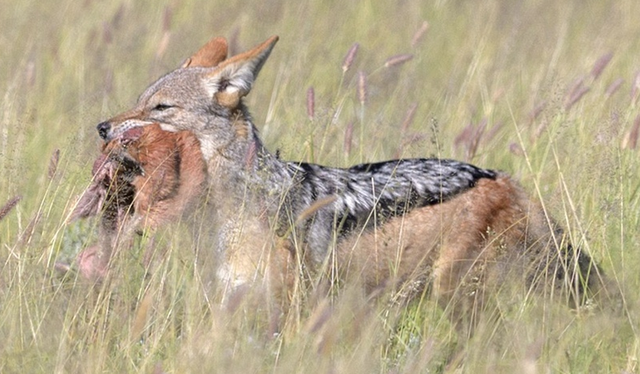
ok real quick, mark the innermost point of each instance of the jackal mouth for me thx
(126, 131)
(128, 136)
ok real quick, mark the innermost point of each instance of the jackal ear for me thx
(233, 78)
(210, 55)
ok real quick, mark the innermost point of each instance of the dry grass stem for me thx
(250, 156)
(164, 43)
(107, 33)
(408, 118)
(30, 74)
(407, 141)
(489, 135)
(234, 44)
(635, 88)
(516, 149)
(141, 316)
(464, 136)
(348, 137)
(537, 110)
(319, 317)
(631, 140)
(27, 234)
(167, 17)
(108, 82)
(158, 369)
(472, 148)
(116, 20)
(470, 137)
(313, 208)
(576, 93)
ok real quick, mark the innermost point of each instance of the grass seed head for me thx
(53, 163)
(362, 87)
(419, 34)
(397, 60)
(350, 57)
(599, 66)
(613, 87)
(311, 96)
(9, 205)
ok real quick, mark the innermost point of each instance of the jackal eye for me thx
(162, 107)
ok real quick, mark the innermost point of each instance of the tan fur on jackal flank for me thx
(490, 234)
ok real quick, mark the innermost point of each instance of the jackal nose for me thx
(103, 129)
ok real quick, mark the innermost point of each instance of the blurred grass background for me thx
(545, 90)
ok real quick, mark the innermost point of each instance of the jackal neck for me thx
(246, 173)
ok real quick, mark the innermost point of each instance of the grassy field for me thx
(545, 90)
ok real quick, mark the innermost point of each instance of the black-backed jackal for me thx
(410, 224)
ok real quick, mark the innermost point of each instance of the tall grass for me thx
(547, 91)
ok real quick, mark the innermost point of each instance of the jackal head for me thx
(203, 95)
